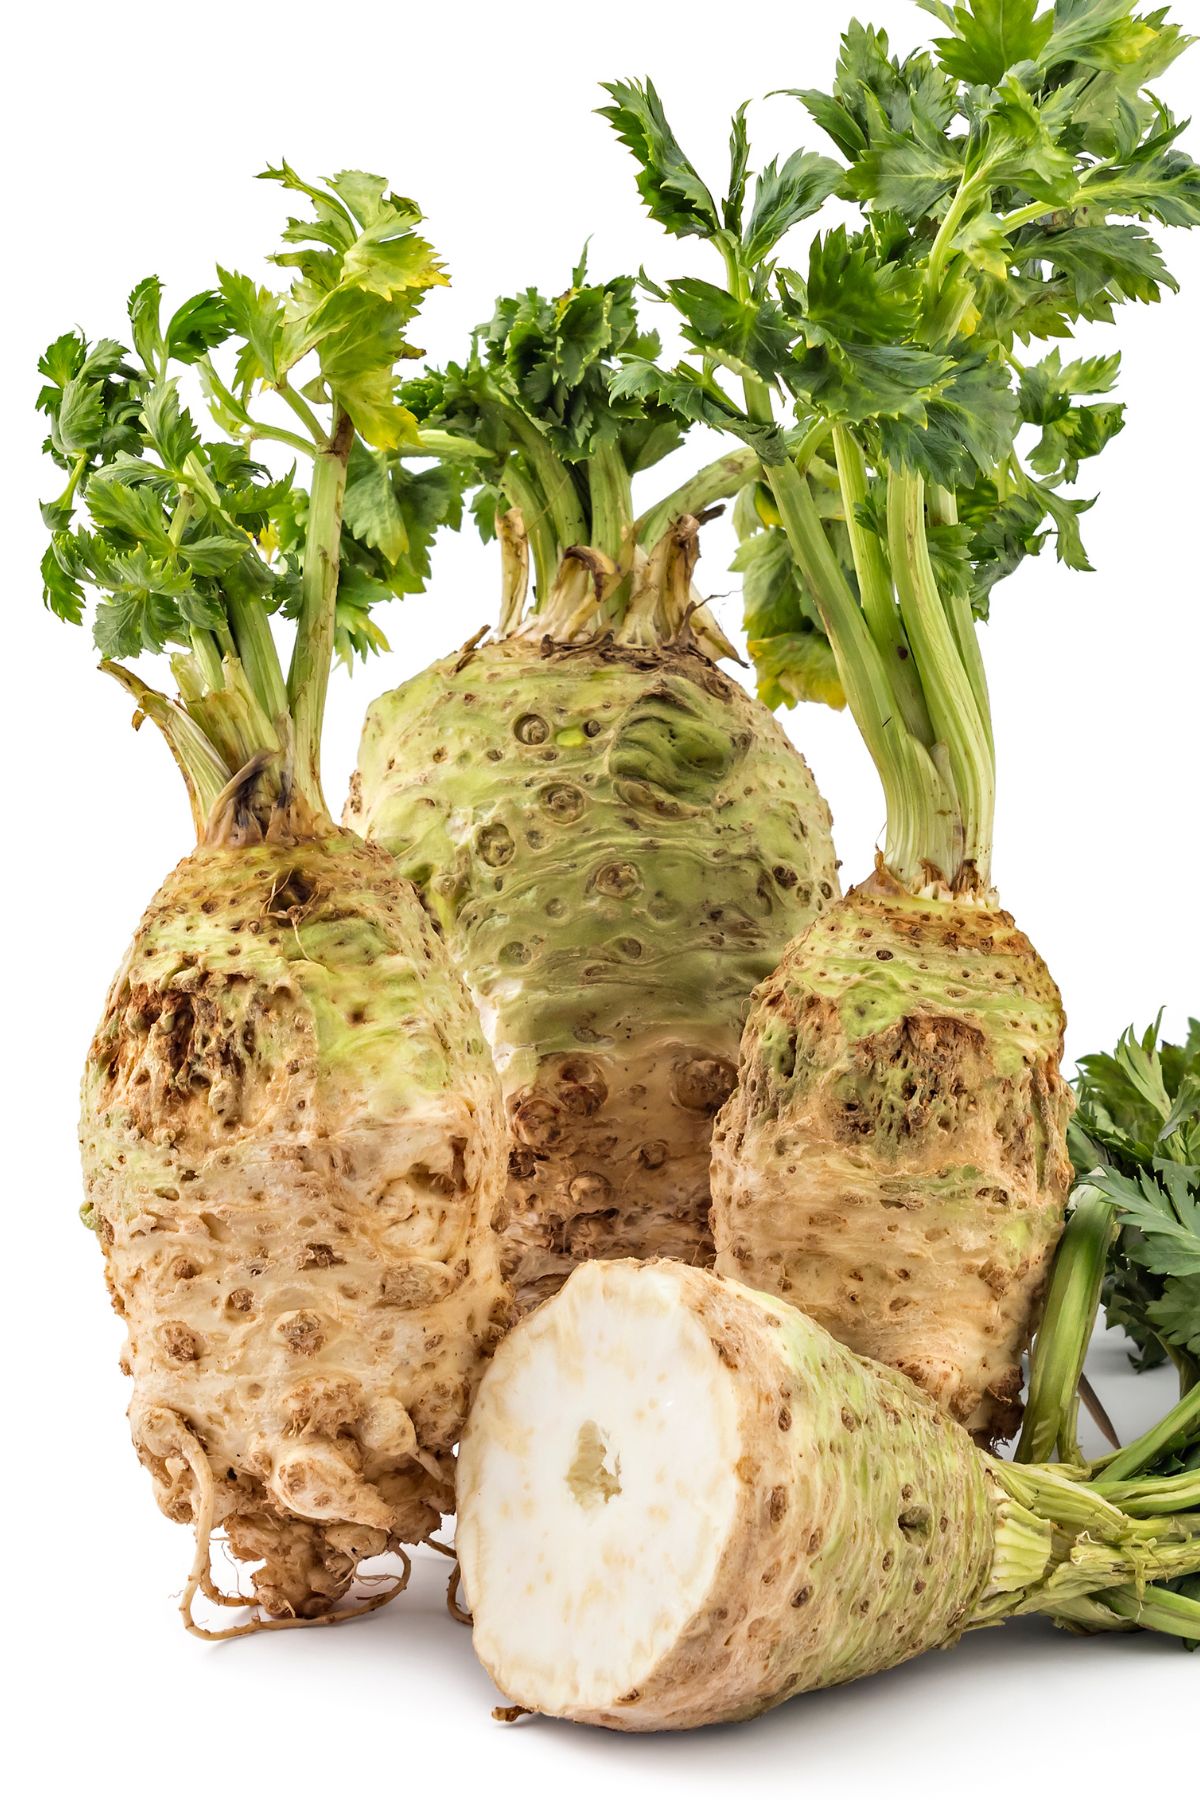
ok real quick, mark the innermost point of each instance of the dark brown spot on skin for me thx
(777, 1505)
(301, 1332)
(531, 728)
(563, 802)
(241, 1300)
(537, 1122)
(179, 1342)
(785, 1419)
(915, 1522)
(590, 1192)
(802, 1596)
(317, 1256)
(577, 1084)
(495, 845)
(617, 879)
(703, 1083)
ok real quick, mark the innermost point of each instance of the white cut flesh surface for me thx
(597, 1490)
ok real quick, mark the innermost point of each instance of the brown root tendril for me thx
(453, 1606)
(200, 1577)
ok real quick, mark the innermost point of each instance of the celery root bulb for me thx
(893, 1159)
(293, 1151)
(681, 1502)
(617, 843)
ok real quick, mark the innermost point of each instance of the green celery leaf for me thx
(256, 316)
(785, 195)
(1078, 433)
(62, 578)
(873, 88)
(131, 512)
(991, 37)
(371, 511)
(970, 423)
(169, 426)
(1011, 143)
(1102, 261)
(870, 381)
(673, 192)
(748, 335)
(144, 307)
(692, 397)
(197, 327)
(1139, 1118)
(911, 174)
(796, 666)
(739, 163)
(1176, 1316)
(1066, 514)
(1164, 1204)
(1108, 35)
(852, 296)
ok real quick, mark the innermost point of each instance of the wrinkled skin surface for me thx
(893, 1159)
(617, 844)
(293, 1153)
(862, 1529)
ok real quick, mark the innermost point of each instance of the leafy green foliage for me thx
(783, 196)
(991, 37)
(695, 398)
(1007, 184)
(556, 359)
(673, 192)
(550, 399)
(360, 270)
(391, 515)
(793, 659)
(1136, 1136)
(875, 93)
(176, 533)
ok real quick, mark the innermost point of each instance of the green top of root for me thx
(912, 451)
(189, 543)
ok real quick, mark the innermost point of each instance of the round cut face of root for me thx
(598, 1489)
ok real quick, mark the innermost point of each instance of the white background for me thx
(131, 135)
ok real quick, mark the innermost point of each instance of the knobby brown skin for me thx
(617, 843)
(893, 1159)
(293, 1155)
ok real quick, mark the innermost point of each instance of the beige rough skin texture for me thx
(893, 1159)
(681, 1503)
(293, 1153)
(617, 842)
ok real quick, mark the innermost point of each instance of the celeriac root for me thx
(893, 1159)
(617, 842)
(681, 1502)
(293, 1151)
